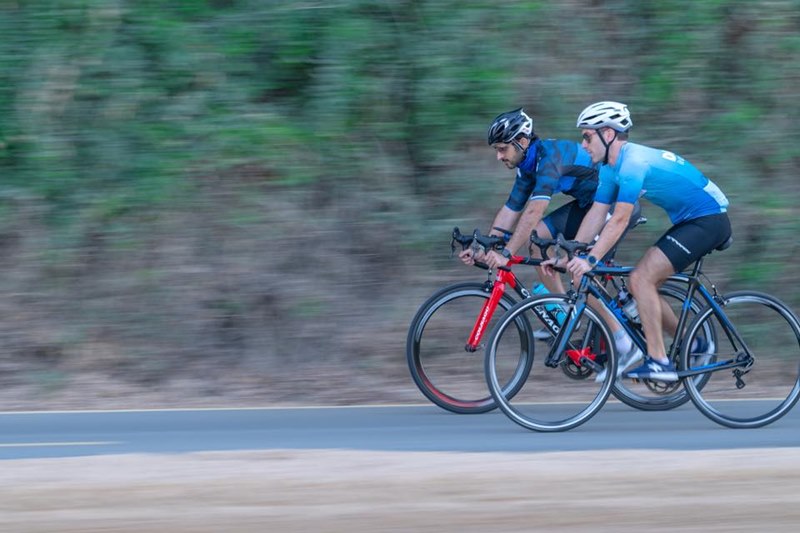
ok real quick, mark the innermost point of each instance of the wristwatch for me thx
(506, 253)
(592, 260)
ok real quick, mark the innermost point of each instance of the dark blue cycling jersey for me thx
(666, 179)
(553, 166)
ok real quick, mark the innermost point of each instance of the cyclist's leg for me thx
(679, 247)
(629, 353)
(669, 320)
(565, 220)
(650, 272)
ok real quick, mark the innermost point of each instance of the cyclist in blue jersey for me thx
(696, 207)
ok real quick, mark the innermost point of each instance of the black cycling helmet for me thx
(508, 126)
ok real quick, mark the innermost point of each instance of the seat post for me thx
(698, 265)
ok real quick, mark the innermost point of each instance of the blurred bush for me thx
(265, 184)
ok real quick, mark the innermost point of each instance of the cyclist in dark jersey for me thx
(544, 168)
(696, 206)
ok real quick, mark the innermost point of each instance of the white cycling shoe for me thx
(634, 355)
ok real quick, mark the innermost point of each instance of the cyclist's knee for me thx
(648, 274)
(637, 280)
(641, 284)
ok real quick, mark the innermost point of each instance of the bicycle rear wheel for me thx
(650, 395)
(762, 389)
(549, 399)
(443, 370)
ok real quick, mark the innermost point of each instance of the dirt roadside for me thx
(741, 490)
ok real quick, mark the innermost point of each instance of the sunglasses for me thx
(588, 137)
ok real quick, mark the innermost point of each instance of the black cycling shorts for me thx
(566, 219)
(685, 243)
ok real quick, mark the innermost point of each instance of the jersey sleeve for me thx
(559, 156)
(547, 176)
(607, 187)
(518, 197)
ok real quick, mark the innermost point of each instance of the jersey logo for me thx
(669, 156)
(678, 244)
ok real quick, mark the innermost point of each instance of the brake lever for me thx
(540, 243)
(476, 245)
(458, 237)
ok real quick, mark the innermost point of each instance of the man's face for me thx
(593, 145)
(510, 155)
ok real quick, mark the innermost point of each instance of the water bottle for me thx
(539, 288)
(629, 306)
(561, 316)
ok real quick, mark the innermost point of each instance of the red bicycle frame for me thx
(504, 277)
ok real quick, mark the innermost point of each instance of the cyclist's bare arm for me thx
(613, 229)
(530, 218)
(593, 223)
(505, 219)
(525, 223)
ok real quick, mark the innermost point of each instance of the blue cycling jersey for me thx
(666, 179)
(553, 166)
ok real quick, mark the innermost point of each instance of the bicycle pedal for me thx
(589, 363)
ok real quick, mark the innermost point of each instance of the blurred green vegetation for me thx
(173, 159)
(111, 105)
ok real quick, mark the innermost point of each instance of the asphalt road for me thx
(392, 428)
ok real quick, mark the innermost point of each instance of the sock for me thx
(622, 341)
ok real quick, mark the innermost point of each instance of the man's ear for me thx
(524, 142)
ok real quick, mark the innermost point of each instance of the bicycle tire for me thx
(771, 386)
(445, 373)
(647, 395)
(549, 400)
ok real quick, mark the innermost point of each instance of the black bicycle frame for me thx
(589, 285)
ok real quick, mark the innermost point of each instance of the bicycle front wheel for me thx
(550, 399)
(443, 370)
(753, 367)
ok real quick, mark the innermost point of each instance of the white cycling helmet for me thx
(606, 115)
